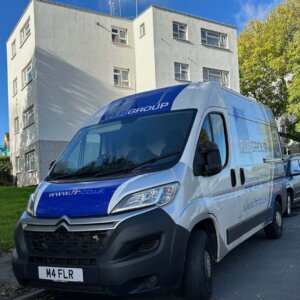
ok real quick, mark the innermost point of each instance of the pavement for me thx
(257, 269)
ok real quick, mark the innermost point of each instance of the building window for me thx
(142, 30)
(121, 77)
(30, 161)
(25, 32)
(119, 36)
(13, 49)
(28, 117)
(16, 125)
(15, 86)
(214, 39)
(18, 164)
(27, 74)
(181, 71)
(179, 31)
(219, 76)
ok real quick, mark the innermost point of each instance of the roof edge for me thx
(189, 15)
(19, 20)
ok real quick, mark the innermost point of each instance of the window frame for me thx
(16, 128)
(178, 31)
(222, 73)
(25, 33)
(17, 162)
(25, 73)
(142, 30)
(28, 112)
(13, 49)
(121, 77)
(204, 41)
(15, 86)
(182, 65)
(119, 38)
(28, 162)
(212, 134)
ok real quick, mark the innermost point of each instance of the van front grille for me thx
(65, 242)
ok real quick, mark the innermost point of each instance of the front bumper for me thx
(144, 253)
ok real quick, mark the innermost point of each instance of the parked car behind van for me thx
(292, 182)
(151, 191)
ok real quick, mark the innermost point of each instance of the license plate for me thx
(61, 274)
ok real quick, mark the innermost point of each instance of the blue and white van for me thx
(151, 191)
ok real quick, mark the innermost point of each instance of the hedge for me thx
(5, 171)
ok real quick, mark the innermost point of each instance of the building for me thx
(65, 62)
(4, 150)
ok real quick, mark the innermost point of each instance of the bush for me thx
(5, 171)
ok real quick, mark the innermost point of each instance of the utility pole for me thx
(120, 9)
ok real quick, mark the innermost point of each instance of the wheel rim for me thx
(207, 263)
(289, 205)
(278, 219)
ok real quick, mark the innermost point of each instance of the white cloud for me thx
(251, 11)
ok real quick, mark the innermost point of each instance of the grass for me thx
(13, 202)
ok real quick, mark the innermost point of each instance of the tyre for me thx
(198, 269)
(289, 205)
(274, 230)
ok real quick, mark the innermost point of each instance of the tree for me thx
(269, 59)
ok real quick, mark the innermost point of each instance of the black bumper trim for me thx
(145, 249)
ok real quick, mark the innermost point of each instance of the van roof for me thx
(198, 96)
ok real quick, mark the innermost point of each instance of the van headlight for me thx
(30, 205)
(159, 196)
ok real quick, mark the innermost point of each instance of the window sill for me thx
(30, 171)
(27, 84)
(28, 125)
(25, 40)
(123, 87)
(15, 94)
(141, 36)
(27, 108)
(182, 80)
(216, 48)
(121, 45)
(182, 40)
(17, 132)
(13, 56)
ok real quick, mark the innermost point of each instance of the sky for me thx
(234, 12)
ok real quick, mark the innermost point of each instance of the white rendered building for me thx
(65, 62)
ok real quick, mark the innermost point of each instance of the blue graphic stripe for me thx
(143, 103)
(84, 199)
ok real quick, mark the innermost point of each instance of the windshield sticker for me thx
(140, 104)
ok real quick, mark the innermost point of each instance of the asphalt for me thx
(257, 269)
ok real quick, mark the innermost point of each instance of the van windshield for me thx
(129, 146)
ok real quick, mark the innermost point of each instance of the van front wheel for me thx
(274, 230)
(198, 268)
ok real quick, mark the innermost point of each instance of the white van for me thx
(154, 188)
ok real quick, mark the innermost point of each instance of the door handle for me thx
(242, 175)
(233, 177)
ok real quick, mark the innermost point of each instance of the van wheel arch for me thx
(209, 227)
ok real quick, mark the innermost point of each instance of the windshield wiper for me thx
(153, 160)
(134, 168)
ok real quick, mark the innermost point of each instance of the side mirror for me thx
(51, 164)
(207, 160)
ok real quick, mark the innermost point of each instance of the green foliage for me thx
(269, 53)
(13, 202)
(5, 171)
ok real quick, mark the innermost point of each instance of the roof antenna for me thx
(111, 4)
